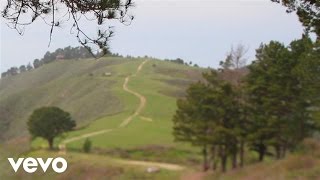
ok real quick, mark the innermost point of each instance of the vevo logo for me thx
(30, 165)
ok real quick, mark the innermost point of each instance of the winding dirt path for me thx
(142, 104)
(142, 99)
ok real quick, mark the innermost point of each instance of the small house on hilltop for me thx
(60, 57)
(107, 74)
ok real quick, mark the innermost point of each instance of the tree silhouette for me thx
(308, 12)
(49, 122)
(20, 13)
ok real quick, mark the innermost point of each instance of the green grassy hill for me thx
(97, 101)
(124, 106)
(65, 84)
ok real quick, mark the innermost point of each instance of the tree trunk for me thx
(261, 156)
(283, 151)
(50, 142)
(205, 158)
(223, 156)
(224, 163)
(241, 153)
(262, 151)
(278, 151)
(213, 158)
(234, 160)
(214, 165)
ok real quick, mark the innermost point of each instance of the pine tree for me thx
(280, 94)
(190, 123)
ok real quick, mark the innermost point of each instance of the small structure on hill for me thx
(152, 169)
(107, 74)
(60, 57)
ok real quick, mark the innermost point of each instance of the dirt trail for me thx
(141, 97)
(87, 135)
(172, 167)
(142, 104)
(146, 119)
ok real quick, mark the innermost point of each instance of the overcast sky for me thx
(201, 31)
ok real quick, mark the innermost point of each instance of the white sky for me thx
(201, 31)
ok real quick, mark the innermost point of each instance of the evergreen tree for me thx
(13, 71)
(36, 63)
(22, 69)
(4, 74)
(208, 118)
(29, 67)
(190, 123)
(281, 88)
(233, 70)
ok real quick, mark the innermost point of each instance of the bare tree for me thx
(239, 56)
(234, 64)
(20, 13)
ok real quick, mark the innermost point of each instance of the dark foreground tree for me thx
(209, 117)
(49, 122)
(233, 70)
(20, 13)
(191, 124)
(283, 89)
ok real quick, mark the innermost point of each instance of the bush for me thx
(309, 146)
(298, 162)
(87, 145)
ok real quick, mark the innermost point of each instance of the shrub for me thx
(297, 162)
(309, 146)
(87, 145)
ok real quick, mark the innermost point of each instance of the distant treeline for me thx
(71, 53)
(66, 53)
(181, 61)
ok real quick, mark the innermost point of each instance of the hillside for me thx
(125, 107)
(92, 91)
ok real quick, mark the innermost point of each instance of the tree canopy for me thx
(49, 122)
(206, 117)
